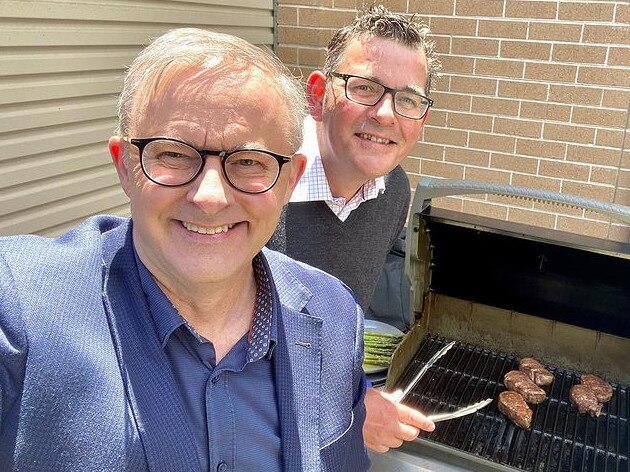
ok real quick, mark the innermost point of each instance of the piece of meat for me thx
(535, 371)
(602, 389)
(585, 400)
(519, 382)
(512, 405)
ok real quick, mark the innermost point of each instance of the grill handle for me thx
(430, 187)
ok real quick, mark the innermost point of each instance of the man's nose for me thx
(210, 190)
(383, 110)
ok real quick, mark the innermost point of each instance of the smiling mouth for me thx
(373, 138)
(207, 230)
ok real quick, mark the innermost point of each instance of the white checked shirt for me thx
(313, 186)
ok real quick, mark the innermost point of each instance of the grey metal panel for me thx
(61, 68)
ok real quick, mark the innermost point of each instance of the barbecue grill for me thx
(503, 291)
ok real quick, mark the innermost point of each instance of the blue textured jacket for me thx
(86, 386)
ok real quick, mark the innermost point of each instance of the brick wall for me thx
(533, 93)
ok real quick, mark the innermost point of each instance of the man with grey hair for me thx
(173, 341)
(367, 109)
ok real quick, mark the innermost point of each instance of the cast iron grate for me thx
(559, 440)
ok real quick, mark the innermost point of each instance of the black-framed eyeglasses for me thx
(369, 92)
(173, 163)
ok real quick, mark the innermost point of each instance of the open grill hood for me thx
(503, 291)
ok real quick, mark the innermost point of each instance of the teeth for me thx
(374, 138)
(204, 230)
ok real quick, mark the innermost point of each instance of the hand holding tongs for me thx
(442, 416)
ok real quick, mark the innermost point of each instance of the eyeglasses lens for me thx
(367, 92)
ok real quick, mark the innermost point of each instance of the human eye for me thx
(364, 87)
(409, 101)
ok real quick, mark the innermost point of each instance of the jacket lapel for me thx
(297, 364)
(149, 382)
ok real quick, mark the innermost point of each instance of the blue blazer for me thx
(86, 386)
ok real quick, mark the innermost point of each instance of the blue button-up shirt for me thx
(231, 406)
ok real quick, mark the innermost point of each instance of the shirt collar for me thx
(262, 336)
(313, 186)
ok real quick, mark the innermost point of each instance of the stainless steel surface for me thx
(461, 412)
(397, 460)
(422, 371)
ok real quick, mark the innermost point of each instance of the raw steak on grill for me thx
(519, 382)
(512, 405)
(602, 389)
(583, 397)
(535, 371)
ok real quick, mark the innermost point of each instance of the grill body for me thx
(504, 291)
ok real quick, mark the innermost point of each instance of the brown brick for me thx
(499, 68)
(593, 155)
(564, 170)
(448, 203)
(486, 210)
(540, 148)
(625, 159)
(479, 8)
(530, 9)
(545, 111)
(534, 181)
(583, 11)
(608, 34)
(288, 54)
(531, 217)
(609, 138)
(442, 44)
(495, 106)
(600, 117)
(502, 29)
(523, 90)
(453, 26)
(619, 56)
(466, 156)
(619, 233)
(509, 201)
(287, 15)
(617, 77)
(476, 85)
(437, 117)
(554, 31)
(427, 150)
(551, 72)
(526, 50)
(443, 7)
(474, 46)
(616, 98)
(312, 57)
(604, 175)
(557, 209)
(457, 64)
(579, 54)
(623, 13)
(568, 133)
(452, 101)
(584, 227)
(445, 170)
(288, 35)
(622, 197)
(492, 176)
(512, 127)
(411, 164)
(513, 163)
(575, 94)
(491, 142)
(624, 178)
(469, 121)
(324, 18)
(310, 3)
(445, 136)
(598, 192)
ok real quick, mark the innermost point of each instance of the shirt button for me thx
(215, 380)
(222, 467)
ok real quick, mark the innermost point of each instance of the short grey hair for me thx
(379, 22)
(192, 48)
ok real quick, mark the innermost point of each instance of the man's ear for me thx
(298, 165)
(115, 144)
(315, 89)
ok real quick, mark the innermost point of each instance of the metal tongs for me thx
(442, 416)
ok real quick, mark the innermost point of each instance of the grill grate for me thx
(559, 439)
